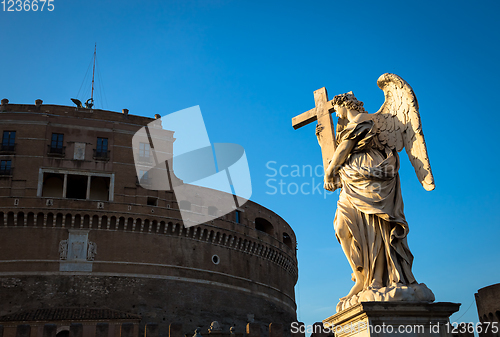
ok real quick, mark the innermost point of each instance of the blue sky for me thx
(253, 65)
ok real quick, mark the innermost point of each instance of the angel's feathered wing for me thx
(398, 123)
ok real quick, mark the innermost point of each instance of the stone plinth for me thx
(378, 319)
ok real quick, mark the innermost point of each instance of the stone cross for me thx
(321, 113)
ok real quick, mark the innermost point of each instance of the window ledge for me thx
(50, 154)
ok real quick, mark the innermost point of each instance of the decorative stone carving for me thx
(91, 251)
(79, 153)
(63, 249)
(77, 248)
(362, 160)
(80, 252)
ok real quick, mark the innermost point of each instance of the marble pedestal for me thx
(380, 319)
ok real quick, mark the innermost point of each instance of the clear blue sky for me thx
(253, 65)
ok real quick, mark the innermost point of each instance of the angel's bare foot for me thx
(356, 288)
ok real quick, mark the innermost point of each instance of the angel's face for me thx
(340, 111)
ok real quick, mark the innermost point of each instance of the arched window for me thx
(31, 219)
(63, 333)
(59, 220)
(263, 225)
(287, 240)
(112, 224)
(78, 221)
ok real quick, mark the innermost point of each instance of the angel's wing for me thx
(398, 124)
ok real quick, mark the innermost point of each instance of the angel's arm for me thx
(339, 157)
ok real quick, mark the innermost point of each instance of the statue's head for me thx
(348, 101)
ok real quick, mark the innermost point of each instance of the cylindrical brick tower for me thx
(78, 230)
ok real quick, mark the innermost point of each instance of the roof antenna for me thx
(90, 102)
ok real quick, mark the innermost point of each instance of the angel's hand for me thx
(329, 183)
(329, 187)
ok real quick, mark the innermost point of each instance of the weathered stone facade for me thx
(488, 310)
(77, 230)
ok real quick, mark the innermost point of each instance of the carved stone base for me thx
(417, 292)
(380, 319)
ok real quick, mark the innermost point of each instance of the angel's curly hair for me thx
(349, 101)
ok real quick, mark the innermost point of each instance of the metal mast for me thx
(93, 73)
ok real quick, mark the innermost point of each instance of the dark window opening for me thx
(53, 185)
(56, 144)
(121, 224)
(8, 141)
(6, 167)
(76, 187)
(264, 226)
(101, 151)
(63, 333)
(99, 188)
(215, 259)
(237, 217)
(152, 201)
(287, 240)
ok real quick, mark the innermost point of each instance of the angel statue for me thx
(363, 161)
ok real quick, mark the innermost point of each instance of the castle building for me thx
(77, 231)
(488, 310)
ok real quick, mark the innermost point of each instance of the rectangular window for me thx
(144, 150)
(76, 185)
(57, 141)
(101, 151)
(5, 167)
(56, 145)
(8, 140)
(102, 145)
(238, 217)
(152, 201)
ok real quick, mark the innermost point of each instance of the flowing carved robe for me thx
(371, 206)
